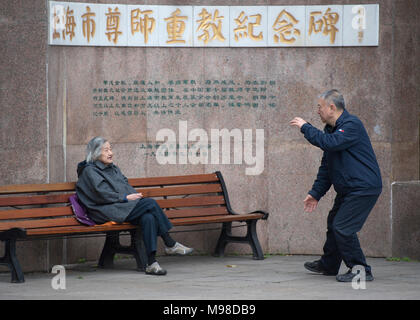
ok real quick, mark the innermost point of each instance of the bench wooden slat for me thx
(196, 212)
(39, 223)
(135, 182)
(191, 202)
(67, 211)
(176, 191)
(36, 213)
(34, 200)
(59, 211)
(126, 226)
(28, 188)
(173, 180)
(64, 198)
(79, 229)
(215, 219)
(54, 222)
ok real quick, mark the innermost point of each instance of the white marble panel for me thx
(361, 25)
(142, 26)
(248, 26)
(211, 26)
(175, 26)
(286, 26)
(324, 26)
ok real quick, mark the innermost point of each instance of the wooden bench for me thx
(42, 211)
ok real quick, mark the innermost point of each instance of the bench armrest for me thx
(265, 213)
(225, 194)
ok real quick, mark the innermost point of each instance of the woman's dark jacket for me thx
(103, 190)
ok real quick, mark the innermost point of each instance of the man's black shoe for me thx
(316, 266)
(349, 275)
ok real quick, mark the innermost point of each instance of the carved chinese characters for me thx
(212, 26)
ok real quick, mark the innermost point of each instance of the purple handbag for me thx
(80, 211)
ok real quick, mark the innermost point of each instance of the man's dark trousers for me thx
(345, 219)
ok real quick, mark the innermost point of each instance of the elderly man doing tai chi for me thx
(349, 164)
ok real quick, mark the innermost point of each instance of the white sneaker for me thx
(178, 249)
(155, 269)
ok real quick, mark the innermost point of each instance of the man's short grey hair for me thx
(94, 149)
(335, 97)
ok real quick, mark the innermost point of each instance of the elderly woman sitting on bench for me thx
(106, 194)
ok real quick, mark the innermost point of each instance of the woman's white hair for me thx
(94, 149)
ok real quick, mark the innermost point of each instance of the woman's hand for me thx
(134, 196)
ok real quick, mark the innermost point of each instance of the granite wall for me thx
(405, 219)
(47, 102)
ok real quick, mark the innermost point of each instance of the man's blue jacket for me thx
(349, 162)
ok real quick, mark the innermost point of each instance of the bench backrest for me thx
(47, 205)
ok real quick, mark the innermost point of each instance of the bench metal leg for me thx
(113, 246)
(251, 238)
(12, 262)
(223, 239)
(112, 241)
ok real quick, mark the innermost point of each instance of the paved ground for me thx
(206, 277)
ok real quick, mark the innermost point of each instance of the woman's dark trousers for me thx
(152, 220)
